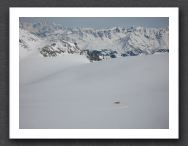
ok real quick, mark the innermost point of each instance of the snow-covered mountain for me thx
(96, 44)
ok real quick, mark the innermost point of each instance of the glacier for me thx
(121, 93)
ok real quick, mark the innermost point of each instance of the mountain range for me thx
(96, 44)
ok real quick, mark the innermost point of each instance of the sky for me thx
(101, 22)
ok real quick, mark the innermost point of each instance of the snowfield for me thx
(69, 92)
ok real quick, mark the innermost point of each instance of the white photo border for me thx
(171, 133)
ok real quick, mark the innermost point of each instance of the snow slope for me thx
(34, 67)
(130, 92)
(28, 43)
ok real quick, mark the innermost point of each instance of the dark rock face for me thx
(54, 50)
(158, 35)
(133, 53)
(23, 44)
(48, 51)
(97, 55)
(162, 50)
(94, 55)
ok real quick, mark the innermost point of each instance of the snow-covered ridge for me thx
(96, 44)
